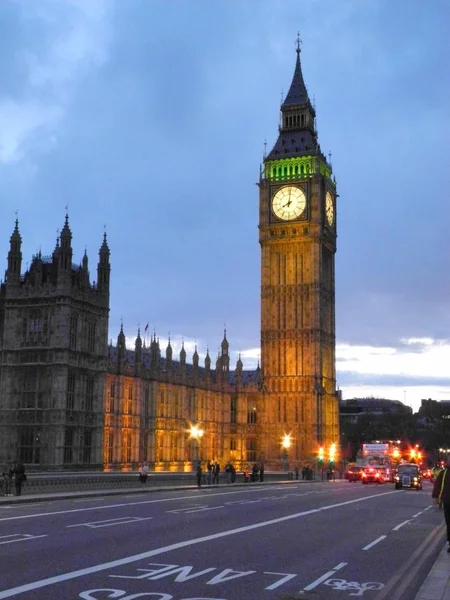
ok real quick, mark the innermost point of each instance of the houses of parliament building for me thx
(69, 400)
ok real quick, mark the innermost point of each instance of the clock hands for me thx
(289, 202)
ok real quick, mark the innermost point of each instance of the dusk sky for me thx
(149, 117)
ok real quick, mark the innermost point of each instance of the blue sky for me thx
(150, 117)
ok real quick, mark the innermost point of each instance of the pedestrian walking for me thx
(261, 472)
(228, 471)
(143, 472)
(216, 472)
(441, 494)
(209, 468)
(199, 475)
(7, 480)
(19, 477)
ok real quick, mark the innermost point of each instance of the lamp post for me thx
(332, 456)
(286, 444)
(196, 434)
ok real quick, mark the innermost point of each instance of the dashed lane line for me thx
(380, 539)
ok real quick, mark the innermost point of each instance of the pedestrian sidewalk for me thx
(437, 584)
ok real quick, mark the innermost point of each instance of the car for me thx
(374, 475)
(354, 474)
(426, 474)
(408, 476)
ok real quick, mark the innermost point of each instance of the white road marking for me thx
(324, 577)
(401, 525)
(144, 555)
(108, 522)
(281, 581)
(18, 537)
(206, 508)
(382, 537)
(427, 508)
(122, 504)
(417, 514)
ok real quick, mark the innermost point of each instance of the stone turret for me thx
(103, 268)
(169, 357)
(14, 256)
(121, 350)
(138, 352)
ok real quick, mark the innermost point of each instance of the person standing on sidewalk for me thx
(441, 493)
(7, 480)
(19, 477)
(143, 472)
(199, 474)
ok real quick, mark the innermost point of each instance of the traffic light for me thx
(320, 456)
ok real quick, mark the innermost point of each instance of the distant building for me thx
(434, 409)
(351, 410)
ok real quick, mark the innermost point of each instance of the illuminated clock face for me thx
(329, 208)
(289, 203)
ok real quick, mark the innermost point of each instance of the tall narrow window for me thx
(87, 443)
(29, 390)
(68, 446)
(251, 450)
(128, 449)
(146, 403)
(233, 411)
(73, 332)
(70, 400)
(30, 444)
(251, 412)
(90, 394)
(110, 440)
(91, 337)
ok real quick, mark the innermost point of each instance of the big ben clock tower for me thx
(299, 411)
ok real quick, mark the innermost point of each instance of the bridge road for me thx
(296, 540)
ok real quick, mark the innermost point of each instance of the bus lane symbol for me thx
(357, 588)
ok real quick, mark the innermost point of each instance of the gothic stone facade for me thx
(152, 402)
(53, 357)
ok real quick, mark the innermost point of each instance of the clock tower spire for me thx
(297, 235)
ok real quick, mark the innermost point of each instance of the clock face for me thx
(329, 208)
(289, 203)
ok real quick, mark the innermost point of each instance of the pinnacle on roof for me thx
(65, 232)
(297, 93)
(15, 236)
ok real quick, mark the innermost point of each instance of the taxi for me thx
(408, 476)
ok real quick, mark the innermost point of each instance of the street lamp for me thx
(286, 444)
(196, 434)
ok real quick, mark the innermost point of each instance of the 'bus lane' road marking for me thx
(382, 537)
(48, 581)
(18, 537)
(109, 522)
(324, 577)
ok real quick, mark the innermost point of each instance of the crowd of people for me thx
(213, 470)
(13, 474)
